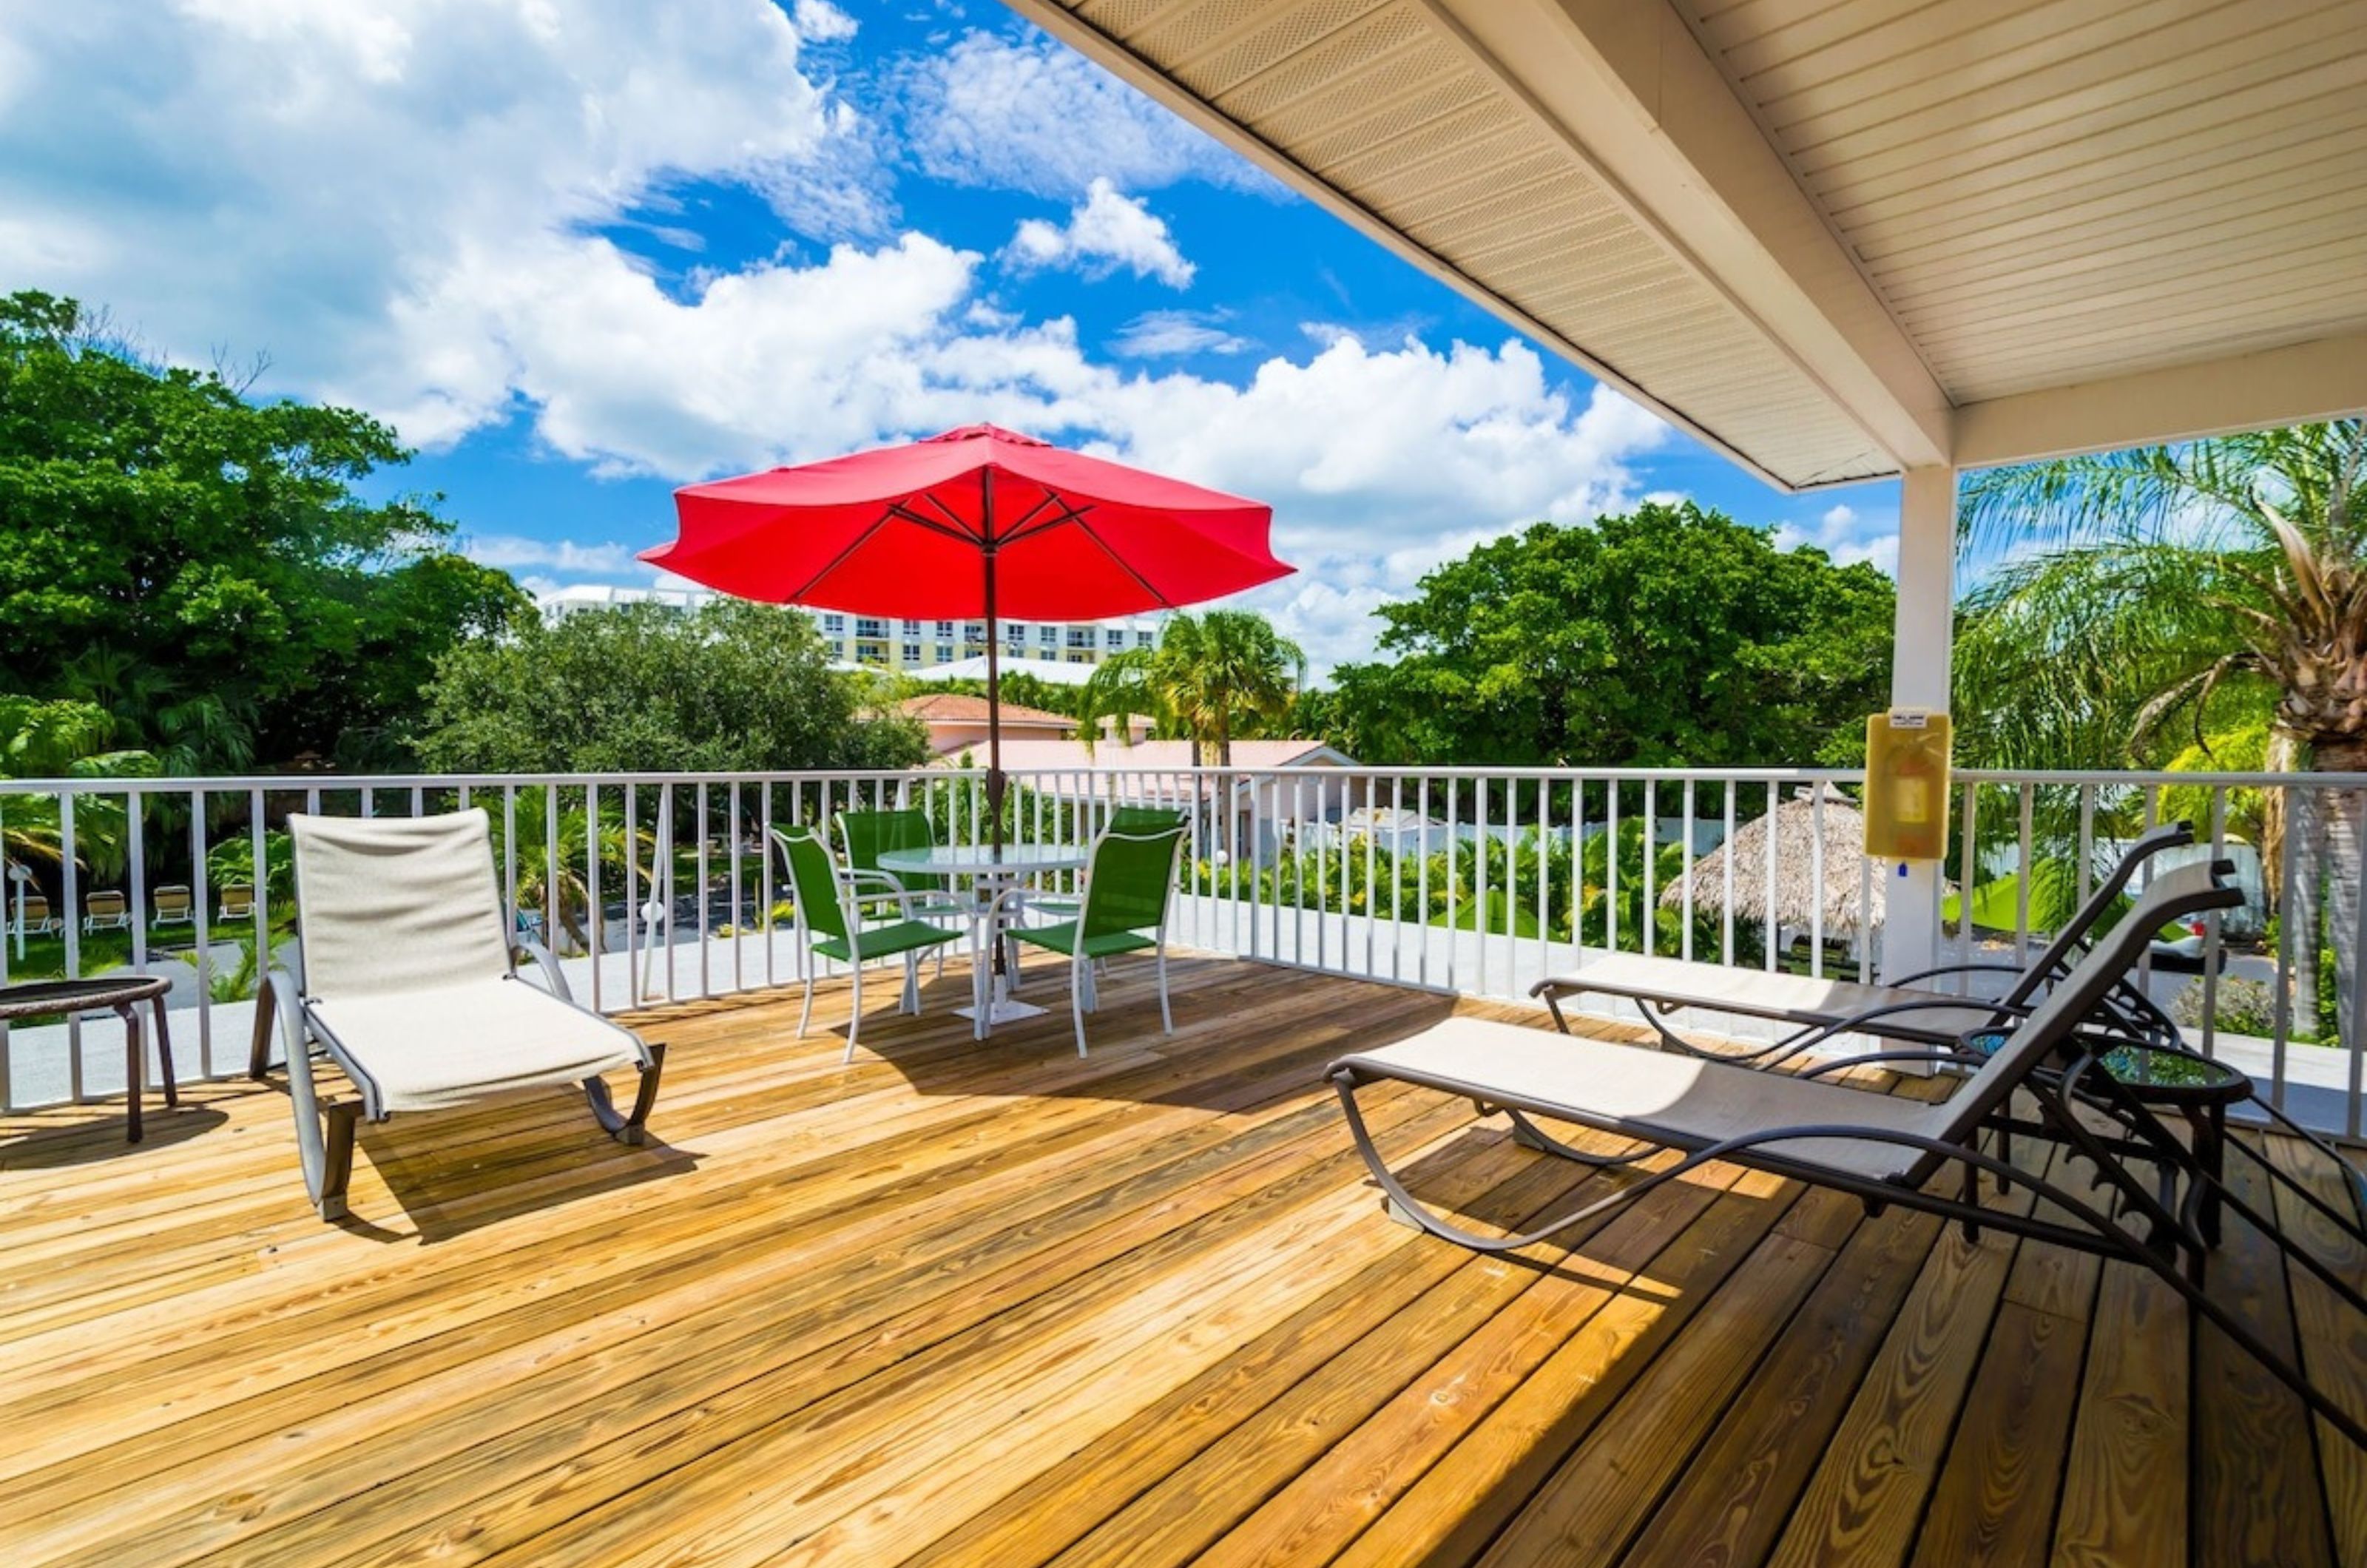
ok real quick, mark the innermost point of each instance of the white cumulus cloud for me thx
(1107, 231)
(406, 207)
(1166, 335)
(1841, 533)
(1034, 116)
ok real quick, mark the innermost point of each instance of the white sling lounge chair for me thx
(1883, 1149)
(1907, 1009)
(410, 985)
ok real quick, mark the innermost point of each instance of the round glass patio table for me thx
(991, 871)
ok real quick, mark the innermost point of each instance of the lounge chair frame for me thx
(2126, 1006)
(325, 1131)
(2059, 1072)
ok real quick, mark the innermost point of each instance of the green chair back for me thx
(1128, 888)
(1142, 819)
(867, 835)
(813, 882)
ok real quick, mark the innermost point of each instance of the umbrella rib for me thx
(839, 560)
(1124, 565)
(968, 534)
(903, 514)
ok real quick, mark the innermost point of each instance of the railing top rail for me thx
(289, 784)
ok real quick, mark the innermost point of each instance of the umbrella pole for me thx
(993, 671)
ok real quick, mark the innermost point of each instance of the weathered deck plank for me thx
(964, 1305)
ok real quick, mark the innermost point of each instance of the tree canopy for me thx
(1666, 635)
(200, 566)
(729, 686)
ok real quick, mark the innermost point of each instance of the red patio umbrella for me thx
(978, 523)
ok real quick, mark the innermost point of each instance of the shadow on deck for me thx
(995, 1304)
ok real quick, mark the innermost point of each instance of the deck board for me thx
(965, 1304)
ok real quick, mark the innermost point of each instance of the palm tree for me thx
(1212, 676)
(2204, 586)
(565, 892)
(41, 738)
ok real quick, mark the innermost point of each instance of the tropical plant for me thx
(562, 888)
(1212, 677)
(2193, 590)
(57, 739)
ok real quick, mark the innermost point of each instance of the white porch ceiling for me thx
(1826, 235)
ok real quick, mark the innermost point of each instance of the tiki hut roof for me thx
(1796, 893)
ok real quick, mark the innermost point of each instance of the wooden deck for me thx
(1000, 1306)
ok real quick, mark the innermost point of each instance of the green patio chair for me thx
(1121, 819)
(827, 902)
(1124, 909)
(865, 836)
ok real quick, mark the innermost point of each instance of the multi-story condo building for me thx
(889, 643)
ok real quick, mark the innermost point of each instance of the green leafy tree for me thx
(1212, 677)
(1667, 635)
(200, 565)
(638, 688)
(2186, 593)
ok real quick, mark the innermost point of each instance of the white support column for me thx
(1919, 679)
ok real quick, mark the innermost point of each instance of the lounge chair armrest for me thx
(1858, 1022)
(1871, 1058)
(553, 980)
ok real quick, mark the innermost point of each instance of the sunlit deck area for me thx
(996, 1304)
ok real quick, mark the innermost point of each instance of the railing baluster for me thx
(1454, 878)
(70, 889)
(2281, 1027)
(2024, 870)
(595, 911)
(1650, 921)
(1726, 865)
(2211, 948)
(1685, 863)
(698, 820)
(1544, 887)
(1816, 880)
(1610, 863)
(201, 923)
(1971, 883)
(1771, 935)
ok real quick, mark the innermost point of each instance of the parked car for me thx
(2180, 947)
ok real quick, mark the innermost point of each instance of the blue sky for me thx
(582, 251)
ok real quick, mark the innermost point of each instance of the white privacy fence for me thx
(658, 887)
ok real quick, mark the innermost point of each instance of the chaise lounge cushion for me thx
(1683, 1102)
(446, 1046)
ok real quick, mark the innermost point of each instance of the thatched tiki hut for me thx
(1847, 877)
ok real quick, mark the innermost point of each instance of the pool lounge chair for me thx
(237, 902)
(1881, 1148)
(1821, 1010)
(106, 911)
(32, 916)
(174, 907)
(411, 986)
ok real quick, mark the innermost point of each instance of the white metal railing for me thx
(656, 888)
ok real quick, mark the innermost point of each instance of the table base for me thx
(1005, 1010)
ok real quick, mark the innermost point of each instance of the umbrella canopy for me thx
(910, 530)
(1797, 890)
(978, 522)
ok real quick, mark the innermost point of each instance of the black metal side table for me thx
(122, 993)
(2171, 1077)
